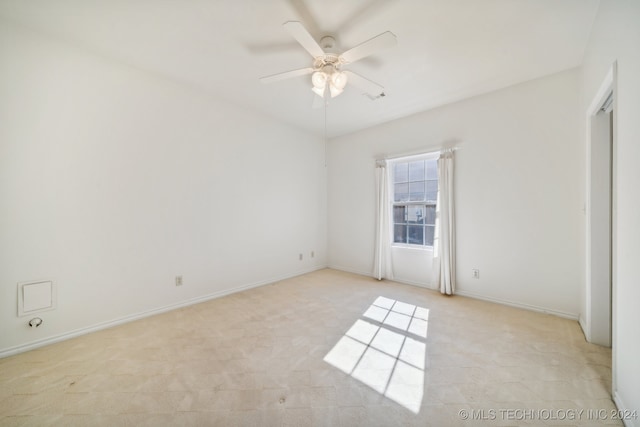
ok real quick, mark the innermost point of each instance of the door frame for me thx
(607, 87)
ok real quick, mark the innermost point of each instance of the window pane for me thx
(399, 214)
(401, 172)
(416, 234)
(428, 235)
(430, 216)
(432, 169)
(416, 215)
(416, 191)
(401, 192)
(432, 190)
(415, 187)
(416, 171)
(400, 233)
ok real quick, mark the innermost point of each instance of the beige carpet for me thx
(328, 349)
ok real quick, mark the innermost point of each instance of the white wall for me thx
(616, 37)
(520, 192)
(113, 181)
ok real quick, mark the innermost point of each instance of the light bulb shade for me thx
(339, 80)
(334, 91)
(319, 79)
(319, 91)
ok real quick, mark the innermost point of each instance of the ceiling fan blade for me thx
(302, 10)
(286, 75)
(364, 84)
(365, 12)
(371, 46)
(300, 33)
(271, 48)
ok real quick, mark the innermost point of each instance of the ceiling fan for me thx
(327, 77)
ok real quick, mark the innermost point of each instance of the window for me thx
(415, 189)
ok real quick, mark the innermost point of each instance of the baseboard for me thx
(583, 326)
(132, 317)
(350, 270)
(529, 307)
(623, 409)
(368, 274)
(417, 284)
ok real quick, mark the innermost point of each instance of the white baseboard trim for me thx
(362, 273)
(417, 284)
(132, 317)
(529, 307)
(583, 326)
(623, 409)
(350, 270)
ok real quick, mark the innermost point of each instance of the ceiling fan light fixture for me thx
(319, 91)
(334, 91)
(319, 80)
(339, 80)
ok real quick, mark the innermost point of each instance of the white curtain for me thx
(445, 226)
(382, 268)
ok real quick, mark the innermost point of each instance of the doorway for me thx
(599, 321)
(599, 227)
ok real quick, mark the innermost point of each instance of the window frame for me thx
(392, 164)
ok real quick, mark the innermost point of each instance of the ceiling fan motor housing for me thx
(328, 44)
(328, 59)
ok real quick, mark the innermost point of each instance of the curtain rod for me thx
(433, 150)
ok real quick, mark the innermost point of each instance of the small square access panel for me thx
(35, 297)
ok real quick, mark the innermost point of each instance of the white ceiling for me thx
(447, 49)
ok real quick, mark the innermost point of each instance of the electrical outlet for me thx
(475, 273)
(178, 280)
(300, 257)
(313, 254)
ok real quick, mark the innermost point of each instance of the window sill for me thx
(412, 247)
